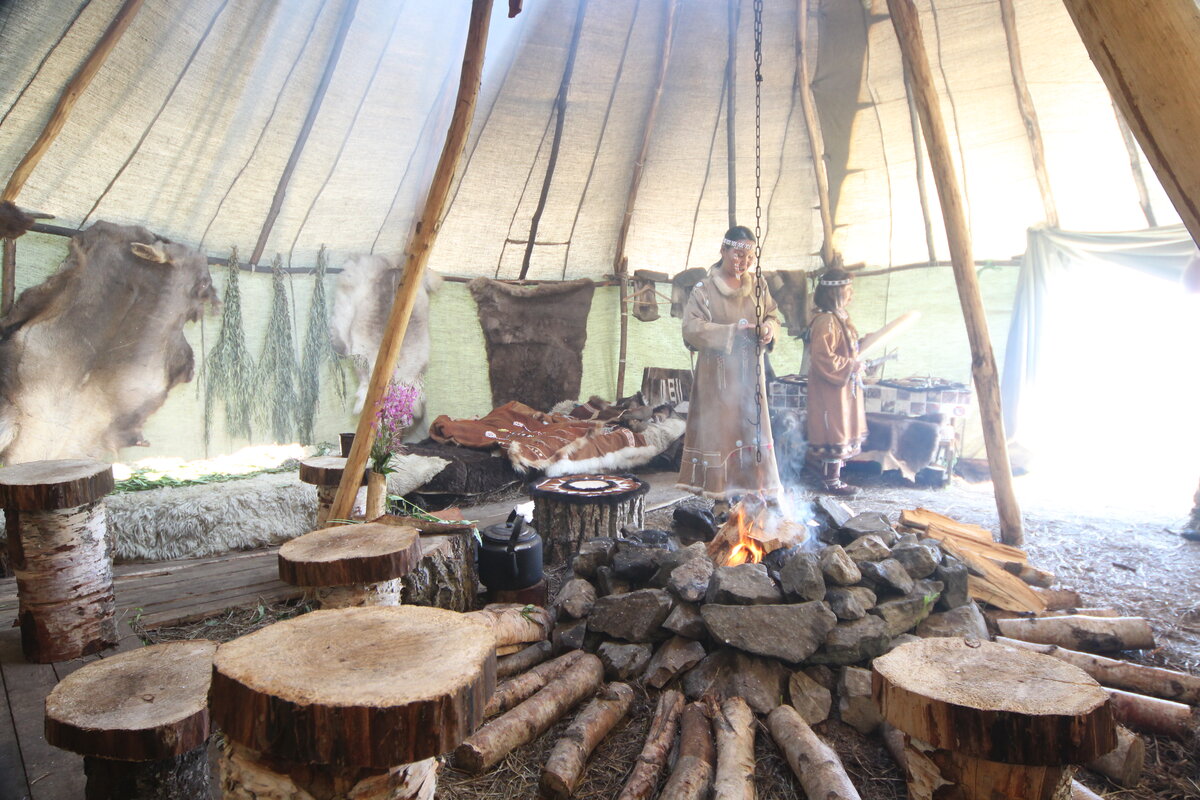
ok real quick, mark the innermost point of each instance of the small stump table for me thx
(140, 720)
(325, 472)
(349, 703)
(571, 508)
(352, 565)
(991, 721)
(60, 553)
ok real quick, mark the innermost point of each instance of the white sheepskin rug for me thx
(199, 521)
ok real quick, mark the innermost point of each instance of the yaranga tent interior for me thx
(287, 152)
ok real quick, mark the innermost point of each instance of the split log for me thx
(1058, 599)
(531, 718)
(817, 766)
(60, 553)
(1124, 764)
(247, 774)
(1092, 634)
(1152, 715)
(564, 767)
(1155, 681)
(516, 690)
(1030, 574)
(733, 723)
(644, 779)
(520, 661)
(351, 565)
(991, 581)
(1081, 792)
(1082, 612)
(140, 719)
(692, 775)
(515, 624)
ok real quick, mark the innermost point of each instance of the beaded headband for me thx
(824, 282)
(738, 245)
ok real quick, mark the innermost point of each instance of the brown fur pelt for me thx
(89, 354)
(13, 221)
(534, 337)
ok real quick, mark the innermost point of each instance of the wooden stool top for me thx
(589, 489)
(350, 554)
(48, 485)
(373, 686)
(142, 705)
(994, 702)
(325, 471)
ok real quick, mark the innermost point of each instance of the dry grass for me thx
(229, 624)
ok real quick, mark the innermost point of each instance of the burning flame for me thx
(747, 549)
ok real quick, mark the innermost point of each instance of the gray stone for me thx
(856, 707)
(694, 522)
(731, 673)
(867, 548)
(801, 577)
(810, 698)
(575, 599)
(903, 614)
(686, 621)
(633, 616)
(788, 632)
(837, 566)
(887, 576)
(868, 522)
(608, 583)
(917, 559)
(593, 554)
(822, 675)
(635, 563)
(569, 635)
(690, 581)
(677, 655)
(966, 620)
(743, 585)
(623, 662)
(850, 602)
(853, 641)
(952, 574)
(905, 538)
(674, 559)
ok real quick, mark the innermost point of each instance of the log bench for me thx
(352, 565)
(140, 720)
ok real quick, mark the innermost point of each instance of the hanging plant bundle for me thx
(277, 366)
(318, 354)
(229, 370)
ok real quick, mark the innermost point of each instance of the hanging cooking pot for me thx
(510, 555)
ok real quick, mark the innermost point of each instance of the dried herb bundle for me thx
(229, 370)
(277, 366)
(318, 352)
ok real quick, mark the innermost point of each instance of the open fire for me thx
(752, 530)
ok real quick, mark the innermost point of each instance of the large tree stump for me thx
(325, 472)
(352, 565)
(140, 719)
(445, 576)
(59, 550)
(346, 703)
(569, 509)
(993, 721)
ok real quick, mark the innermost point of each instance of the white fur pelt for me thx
(199, 521)
(658, 435)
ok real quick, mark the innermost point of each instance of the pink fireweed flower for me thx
(393, 414)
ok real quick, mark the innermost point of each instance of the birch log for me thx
(513, 623)
(1152, 715)
(644, 779)
(1124, 763)
(515, 690)
(564, 768)
(692, 775)
(520, 661)
(815, 763)
(1093, 634)
(733, 723)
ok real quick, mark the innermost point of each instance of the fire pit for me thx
(755, 528)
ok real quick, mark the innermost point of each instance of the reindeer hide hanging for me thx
(534, 337)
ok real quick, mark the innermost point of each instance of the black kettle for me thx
(510, 555)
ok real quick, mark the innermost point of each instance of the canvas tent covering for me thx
(193, 117)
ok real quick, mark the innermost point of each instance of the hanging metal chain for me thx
(758, 279)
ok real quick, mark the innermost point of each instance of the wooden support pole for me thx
(983, 362)
(314, 108)
(1145, 50)
(812, 124)
(8, 280)
(418, 256)
(560, 114)
(731, 111)
(1033, 130)
(73, 91)
(1135, 167)
(914, 122)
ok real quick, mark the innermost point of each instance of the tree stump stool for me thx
(571, 508)
(352, 565)
(59, 550)
(140, 720)
(349, 703)
(325, 472)
(991, 721)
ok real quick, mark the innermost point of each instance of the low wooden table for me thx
(572, 508)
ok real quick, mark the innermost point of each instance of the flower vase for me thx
(376, 495)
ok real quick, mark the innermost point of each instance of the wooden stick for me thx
(1124, 764)
(1033, 130)
(983, 362)
(8, 281)
(565, 765)
(522, 660)
(515, 690)
(693, 770)
(815, 763)
(733, 724)
(418, 256)
(1150, 63)
(812, 124)
(1152, 715)
(644, 778)
(1135, 167)
(919, 164)
(1092, 634)
(529, 720)
(66, 101)
(1155, 681)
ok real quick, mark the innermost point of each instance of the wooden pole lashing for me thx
(418, 256)
(983, 362)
